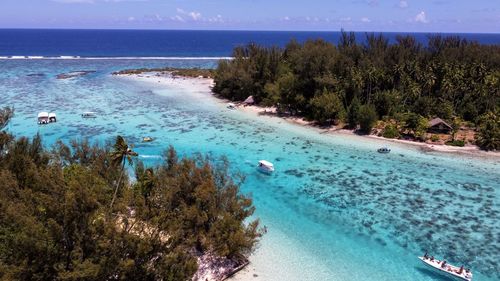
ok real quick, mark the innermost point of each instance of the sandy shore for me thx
(470, 150)
(188, 83)
(204, 85)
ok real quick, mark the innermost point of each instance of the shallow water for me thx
(335, 209)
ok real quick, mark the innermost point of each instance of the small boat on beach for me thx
(265, 167)
(384, 150)
(231, 106)
(448, 269)
(89, 114)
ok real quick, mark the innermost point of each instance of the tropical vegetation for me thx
(360, 83)
(71, 213)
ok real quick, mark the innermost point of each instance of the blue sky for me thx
(352, 15)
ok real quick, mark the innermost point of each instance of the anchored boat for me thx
(448, 269)
(89, 114)
(46, 118)
(384, 150)
(266, 166)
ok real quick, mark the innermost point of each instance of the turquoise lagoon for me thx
(335, 209)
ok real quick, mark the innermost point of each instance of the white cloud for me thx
(421, 17)
(403, 4)
(195, 15)
(286, 18)
(365, 19)
(346, 19)
(131, 18)
(177, 18)
(218, 18)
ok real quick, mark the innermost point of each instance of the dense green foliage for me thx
(459, 143)
(489, 131)
(56, 222)
(449, 77)
(367, 118)
(390, 132)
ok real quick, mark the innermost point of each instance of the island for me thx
(444, 93)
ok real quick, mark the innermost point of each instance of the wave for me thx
(108, 58)
(150, 156)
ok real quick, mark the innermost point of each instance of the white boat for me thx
(52, 117)
(266, 166)
(231, 106)
(43, 117)
(448, 269)
(384, 150)
(147, 139)
(89, 114)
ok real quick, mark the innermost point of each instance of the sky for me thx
(475, 16)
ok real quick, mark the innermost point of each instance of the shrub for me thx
(326, 107)
(459, 143)
(367, 118)
(435, 138)
(353, 113)
(391, 132)
(488, 137)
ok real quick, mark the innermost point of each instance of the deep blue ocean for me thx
(167, 43)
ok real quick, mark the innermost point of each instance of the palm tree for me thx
(121, 154)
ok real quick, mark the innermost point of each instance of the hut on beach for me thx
(439, 126)
(249, 101)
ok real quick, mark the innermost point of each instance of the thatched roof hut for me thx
(438, 125)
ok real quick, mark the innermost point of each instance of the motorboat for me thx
(89, 114)
(231, 105)
(43, 118)
(147, 139)
(448, 269)
(52, 117)
(46, 118)
(384, 150)
(265, 167)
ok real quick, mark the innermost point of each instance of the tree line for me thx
(71, 212)
(360, 83)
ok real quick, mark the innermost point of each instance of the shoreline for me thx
(426, 147)
(201, 84)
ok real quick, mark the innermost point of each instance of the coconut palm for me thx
(121, 154)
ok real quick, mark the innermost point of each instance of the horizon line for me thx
(239, 30)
